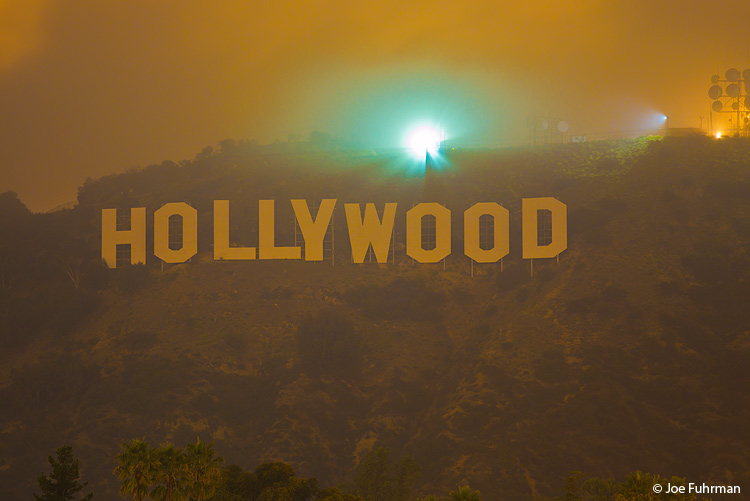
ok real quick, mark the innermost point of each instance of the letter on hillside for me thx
(221, 235)
(370, 231)
(559, 227)
(135, 236)
(414, 232)
(266, 235)
(189, 232)
(501, 232)
(314, 232)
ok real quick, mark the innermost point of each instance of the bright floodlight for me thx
(423, 139)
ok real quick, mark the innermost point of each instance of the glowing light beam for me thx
(423, 139)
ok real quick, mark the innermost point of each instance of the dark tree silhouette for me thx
(63, 483)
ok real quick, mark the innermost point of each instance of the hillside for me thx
(630, 353)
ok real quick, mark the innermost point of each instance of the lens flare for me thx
(423, 139)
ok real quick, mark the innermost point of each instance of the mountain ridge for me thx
(628, 354)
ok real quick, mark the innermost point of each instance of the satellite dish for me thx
(714, 92)
(545, 125)
(715, 79)
(717, 106)
(733, 90)
(746, 74)
(733, 75)
(735, 106)
(562, 126)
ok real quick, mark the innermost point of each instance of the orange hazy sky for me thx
(91, 87)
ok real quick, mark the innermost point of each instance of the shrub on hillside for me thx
(327, 342)
(552, 368)
(513, 277)
(402, 299)
(708, 267)
(51, 380)
(132, 278)
(379, 477)
(137, 341)
(49, 309)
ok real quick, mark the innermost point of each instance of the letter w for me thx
(371, 231)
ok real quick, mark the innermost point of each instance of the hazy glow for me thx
(718, 135)
(650, 121)
(73, 77)
(20, 30)
(423, 139)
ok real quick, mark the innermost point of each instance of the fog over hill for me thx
(630, 352)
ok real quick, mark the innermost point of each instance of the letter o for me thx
(442, 232)
(189, 232)
(501, 225)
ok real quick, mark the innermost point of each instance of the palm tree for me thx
(203, 470)
(136, 469)
(465, 493)
(171, 473)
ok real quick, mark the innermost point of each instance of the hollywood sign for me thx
(364, 232)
